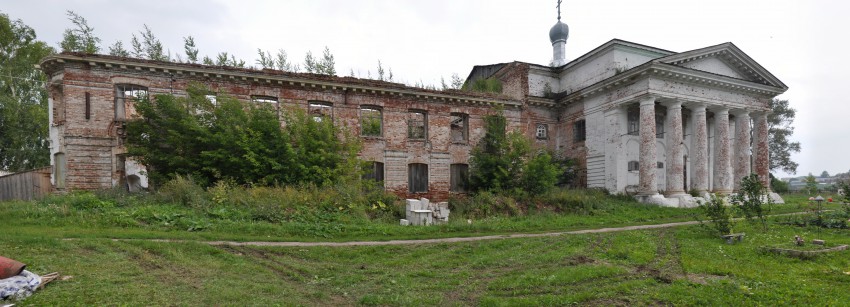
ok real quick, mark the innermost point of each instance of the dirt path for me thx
(431, 241)
(445, 240)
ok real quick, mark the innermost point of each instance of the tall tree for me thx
(324, 66)
(149, 47)
(190, 49)
(117, 49)
(23, 99)
(80, 38)
(780, 129)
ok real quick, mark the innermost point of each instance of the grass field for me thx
(681, 266)
(675, 266)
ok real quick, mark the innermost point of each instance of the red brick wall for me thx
(92, 145)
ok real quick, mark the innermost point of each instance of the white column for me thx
(762, 151)
(648, 156)
(742, 147)
(699, 176)
(722, 168)
(675, 155)
(615, 168)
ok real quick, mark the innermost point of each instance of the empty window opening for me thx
(263, 99)
(374, 171)
(459, 178)
(320, 111)
(460, 127)
(579, 131)
(127, 93)
(542, 131)
(417, 177)
(417, 128)
(371, 122)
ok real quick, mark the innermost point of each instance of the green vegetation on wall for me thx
(237, 141)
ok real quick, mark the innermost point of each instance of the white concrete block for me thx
(404, 222)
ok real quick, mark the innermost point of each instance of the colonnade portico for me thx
(730, 154)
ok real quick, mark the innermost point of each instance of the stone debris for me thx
(423, 212)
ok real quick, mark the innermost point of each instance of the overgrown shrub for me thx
(238, 141)
(507, 162)
(718, 213)
(752, 199)
(484, 204)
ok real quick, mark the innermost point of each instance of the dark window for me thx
(417, 177)
(459, 177)
(579, 131)
(633, 121)
(659, 127)
(460, 127)
(127, 93)
(375, 171)
(660, 165)
(88, 105)
(320, 110)
(417, 125)
(542, 131)
(371, 121)
(634, 166)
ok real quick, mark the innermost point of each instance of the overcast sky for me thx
(803, 43)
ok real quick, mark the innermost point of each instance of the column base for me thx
(722, 192)
(776, 198)
(658, 199)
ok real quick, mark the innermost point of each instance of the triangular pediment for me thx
(725, 60)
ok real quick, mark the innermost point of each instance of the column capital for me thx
(739, 112)
(697, 107)
(647, 100)
(676, 103)
(719, 109)
(759, 114)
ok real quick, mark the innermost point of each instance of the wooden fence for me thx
(27, 185)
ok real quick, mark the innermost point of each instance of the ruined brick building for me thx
(639, 119)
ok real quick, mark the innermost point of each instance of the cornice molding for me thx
(53, 61)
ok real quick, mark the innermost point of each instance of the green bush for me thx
(237, 141)
(719, 214)
(84, 200)
(484, 204)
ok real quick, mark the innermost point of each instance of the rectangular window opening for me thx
(459, 178)
(579, 130)
(371, 121)
(417, 125)
(417, 177)
(459, 127)
(88, 105)
(125, 94)
(320, 110)
(375, 171)
(633, 121)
